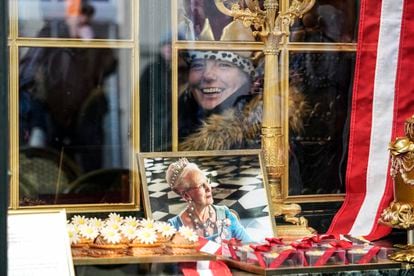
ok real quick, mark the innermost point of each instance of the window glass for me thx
(203, 20)
(328, 21)
(64, 19)
(220, 103)
(318, 150)
(74, 119)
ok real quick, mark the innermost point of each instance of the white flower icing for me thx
(146, 235)
(188, 233)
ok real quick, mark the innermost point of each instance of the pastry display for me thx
(117, 236)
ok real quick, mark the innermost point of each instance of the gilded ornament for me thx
(400, 213)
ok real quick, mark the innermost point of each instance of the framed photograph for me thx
(236, 182)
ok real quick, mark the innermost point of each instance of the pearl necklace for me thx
(198, 224)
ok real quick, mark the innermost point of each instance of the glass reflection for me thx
(318, 154)
(328, 21)
(220, 104)
(74, 106)
(75, 19)
(201, 20)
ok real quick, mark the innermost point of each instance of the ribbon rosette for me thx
(274, 241)
(231, 243)
(335, 245)
(318, 238)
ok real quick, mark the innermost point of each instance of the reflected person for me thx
(208, 220)
(223, 104)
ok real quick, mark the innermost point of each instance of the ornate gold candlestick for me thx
(400, 213)
(272, 27)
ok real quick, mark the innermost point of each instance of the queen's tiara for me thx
(177, 169)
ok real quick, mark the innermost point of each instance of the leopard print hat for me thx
(245, 64)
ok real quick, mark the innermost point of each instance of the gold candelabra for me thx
(272, 27)
(400, 213)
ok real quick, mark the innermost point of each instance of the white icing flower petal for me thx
(95, 222)
(130, 232)
(79, 220)
(115, 217)
(146, 235)
(115, 225)
(131, 221)
(188, 233)
(88, 231)
(166, 229)
(72, 233)
(110, 235)
(148, 223)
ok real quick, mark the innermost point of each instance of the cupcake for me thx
(313, 255)
(145, 243)
(107, 244)
(184, 242)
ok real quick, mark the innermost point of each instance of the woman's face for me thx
(199, 189)
(213, 81)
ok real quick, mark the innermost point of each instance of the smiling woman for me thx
(220, 88)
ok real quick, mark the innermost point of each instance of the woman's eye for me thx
(197, 66)
(225, 65)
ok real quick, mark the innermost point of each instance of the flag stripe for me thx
(382, 115)
(360, 116)
(382, 100)
(404, 101)
(203, 268)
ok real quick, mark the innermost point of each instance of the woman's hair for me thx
(177, 173)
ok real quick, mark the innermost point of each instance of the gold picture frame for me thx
(238, 180)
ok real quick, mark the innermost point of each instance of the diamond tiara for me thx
(177, 169)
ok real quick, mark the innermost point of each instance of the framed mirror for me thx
(236, 182)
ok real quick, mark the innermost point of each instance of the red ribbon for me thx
(319, 238)
(261, 247)
(373, 251)
(274, 241)
(281, 258)
(330, 251)
(230, 244)
(258, 250)
(301, 246)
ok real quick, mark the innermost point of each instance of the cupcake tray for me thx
(256, 269)
(143, 259)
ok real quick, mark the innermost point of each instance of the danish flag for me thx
(206, 268)
(382, 99)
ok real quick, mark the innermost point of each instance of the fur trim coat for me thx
(239, 127)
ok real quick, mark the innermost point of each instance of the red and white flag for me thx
(382, 99)
(206, 268)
